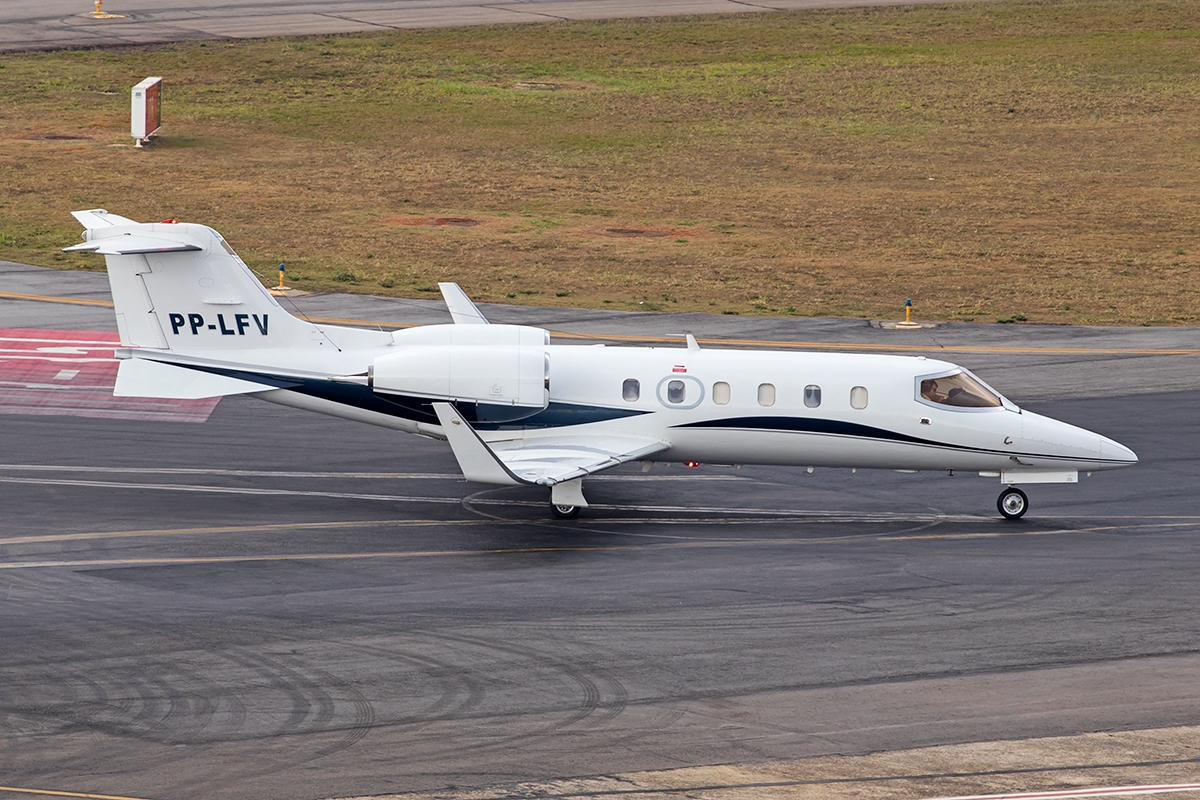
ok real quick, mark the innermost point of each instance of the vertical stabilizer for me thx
(180, 286)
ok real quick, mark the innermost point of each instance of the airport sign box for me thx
(146, 117)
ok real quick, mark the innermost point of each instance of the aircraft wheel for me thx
(564, 512)
(1012, 503)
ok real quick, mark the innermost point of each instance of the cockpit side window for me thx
(959, 390)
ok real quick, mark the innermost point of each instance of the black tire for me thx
(1012, 503)
(564, 512)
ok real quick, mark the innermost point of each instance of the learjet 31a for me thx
(195, 322)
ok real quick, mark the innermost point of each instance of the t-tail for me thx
(181, 287)
(189, 311)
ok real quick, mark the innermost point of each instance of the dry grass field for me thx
(1000, 161)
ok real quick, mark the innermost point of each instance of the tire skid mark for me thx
(196, 703)
(446, 705)
(314, 711)
(364, 713)
(591, 696)
(302, 694)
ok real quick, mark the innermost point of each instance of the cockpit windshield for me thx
(959, 390)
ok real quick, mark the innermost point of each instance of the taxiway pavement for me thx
(275, 604)
(53, 24)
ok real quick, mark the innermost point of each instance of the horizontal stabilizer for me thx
(95, 218)
(132, 245)
(140, 377)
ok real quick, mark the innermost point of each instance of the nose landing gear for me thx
(1012, 503)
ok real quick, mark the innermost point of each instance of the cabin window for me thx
(766, 394)
(631, 390)
(721, 393)
(960, 390)
(676, 392)
(812, 396)
(858, 397)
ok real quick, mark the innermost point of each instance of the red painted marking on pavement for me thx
(1099, 791)
(35, 378)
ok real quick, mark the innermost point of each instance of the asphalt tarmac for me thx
(275, 604)
(55, 24)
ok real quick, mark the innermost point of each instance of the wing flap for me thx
(546, 460)
(555, 459)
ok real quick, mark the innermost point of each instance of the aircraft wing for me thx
(545, 460)
(461, 308)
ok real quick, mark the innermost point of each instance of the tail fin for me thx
(181, 286)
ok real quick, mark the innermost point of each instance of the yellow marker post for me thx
(100, 14)
(280, 289)
(908, 323)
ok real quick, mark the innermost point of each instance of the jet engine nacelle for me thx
(503, 370)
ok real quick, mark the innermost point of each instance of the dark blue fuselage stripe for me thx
(558, 415)
(809, 425)
(420, 409)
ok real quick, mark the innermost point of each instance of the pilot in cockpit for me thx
(929, 390)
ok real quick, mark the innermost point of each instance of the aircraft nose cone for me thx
(1115, 451)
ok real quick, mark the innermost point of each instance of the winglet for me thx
(475, 458)
(461, 308)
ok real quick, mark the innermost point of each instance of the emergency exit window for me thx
(676, 392)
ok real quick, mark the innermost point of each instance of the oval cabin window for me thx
(766, 394)
(721, 393)
(676, 392)
(858, 397)
(631, 390)
(812, 396)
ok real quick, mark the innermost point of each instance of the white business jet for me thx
(515, 409)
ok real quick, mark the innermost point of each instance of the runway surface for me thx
(274, 604)
(51, 24)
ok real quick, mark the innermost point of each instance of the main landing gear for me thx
(564, 512)
(1012, 503)
(566, 499)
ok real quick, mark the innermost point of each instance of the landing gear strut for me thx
(564, 512)
(1012, 503)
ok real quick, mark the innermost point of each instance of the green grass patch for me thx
(834, 161)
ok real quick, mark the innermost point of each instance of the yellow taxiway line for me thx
(41, 298)
(906, 348)
(54, 793)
